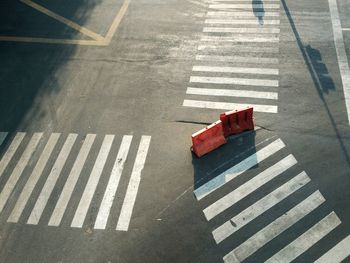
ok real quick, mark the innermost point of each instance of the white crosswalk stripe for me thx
(224, 47)
(256, 71)
(264, 208)
(241, 22)
(338, 253)
(237, 81)
(245, 6)
(65, 152)
(245, 14)
(306, 240)
(239, 38)
(241, 30)
(237, 59)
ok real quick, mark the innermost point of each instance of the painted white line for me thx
(17, 171)
(33, 179)
(241, 38)
(233, 93)
(307, 240)
(249, 187)
(238, 169)
(257, 71)
(341, 53)
(229, 106)
(72, 180)
(237, 59)
(11, 151)
(338, 253)
(91, 185)
(3, 136)
(258, 208)
(134, 183)
(346, 29)
(236, 81)
(51, 180)
(241, 30)
(242, 14)
(222, 47)
(240, 22)
(246, 6)
(275, 228)
(112, 186)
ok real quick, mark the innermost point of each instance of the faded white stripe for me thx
(241, 30)
(237, 59)
(236, 81)
(72, 180)
(51, 180)
(249, 187)
(233, 93)
(275, 228)
(240, 39)
(91, 185)
(338, 253)
(247, 6)
(259, 207)
(238, 169)
(221, 47)
(257, 71)
(242, 14)
(240, 22)
(33, 179)
(341, 53)
(307, 240)
(229, 106)
(21, 164)
(134, 183)
(112, 186)
(11, 151)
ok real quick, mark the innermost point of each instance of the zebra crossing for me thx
(31, 162)
(219, 200)
(237, 60)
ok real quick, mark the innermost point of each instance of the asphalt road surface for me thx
(98, 101)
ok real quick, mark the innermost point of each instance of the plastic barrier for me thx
(235, 122)
(208, 139)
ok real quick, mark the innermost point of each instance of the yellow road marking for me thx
(98, 39)
(63, 20)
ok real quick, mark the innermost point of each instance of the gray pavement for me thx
(154, 201)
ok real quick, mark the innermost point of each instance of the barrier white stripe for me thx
(247, 6)
(237, 14)
(71, 181)
(112, 186)
(240, 22)
(341, 53)
(11, 151)
(240, 38)
(229, 106)
(221, 47)
(256, 71)
(249, 187)
(33, 179)
(259, 207)
(307, 240)
(17, 171)
(236, 81)
(238, 169)
(241, 30)
(237, 59)
(91, 185)
(275, 228)
(338, 253)
(134, 183)
(51, 180)
(3, 136)
(233, 93)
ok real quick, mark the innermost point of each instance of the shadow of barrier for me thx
(211, 165)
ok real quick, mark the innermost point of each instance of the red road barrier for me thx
(235, 122)
(208, 139)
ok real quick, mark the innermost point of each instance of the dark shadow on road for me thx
(218, 161)
(27, 70)
(315, 71)
(259, 12)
